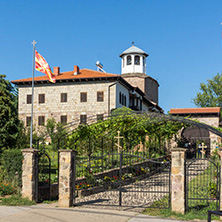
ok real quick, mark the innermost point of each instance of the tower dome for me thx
(133, 60)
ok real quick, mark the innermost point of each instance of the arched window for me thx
(129, 60)
(123, 62)
(137, 60)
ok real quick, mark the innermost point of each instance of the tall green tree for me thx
(211, 93)
(8, 114)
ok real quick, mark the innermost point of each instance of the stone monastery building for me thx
(81, 93)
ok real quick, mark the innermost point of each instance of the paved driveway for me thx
(51, 213)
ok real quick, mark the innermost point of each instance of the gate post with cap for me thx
(178, 180)
(66, 177)
(30, 174)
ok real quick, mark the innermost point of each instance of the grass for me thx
(193, 214)
(198, 209)
(16, 200)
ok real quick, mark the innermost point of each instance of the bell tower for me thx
(133, 70)
(133, 60)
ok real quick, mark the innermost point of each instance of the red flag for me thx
(42, 66)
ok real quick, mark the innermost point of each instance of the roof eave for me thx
(66, 80)
(134, 53)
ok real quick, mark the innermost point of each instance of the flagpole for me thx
(33, 73)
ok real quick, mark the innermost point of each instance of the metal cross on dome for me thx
(118, 141)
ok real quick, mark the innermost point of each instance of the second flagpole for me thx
(33, 74)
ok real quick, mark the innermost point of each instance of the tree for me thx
(8, 114)
(57, 133)
(211, 95)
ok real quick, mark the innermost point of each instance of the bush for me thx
(11, 161)
(6, 189)
(212, 189)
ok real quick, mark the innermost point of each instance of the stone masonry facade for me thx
(73, 108)
(146, 83)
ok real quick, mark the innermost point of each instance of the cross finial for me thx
(118, 142)
(33, 43)
(133, 43)
(203, 151)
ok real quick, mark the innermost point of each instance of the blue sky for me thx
(182, 38)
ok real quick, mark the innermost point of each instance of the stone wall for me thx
(151, 89)
(146, 83)
(135, 79)
(73, 108)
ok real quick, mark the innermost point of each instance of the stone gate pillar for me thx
(178, 180)
(30, 174)
(66, 177)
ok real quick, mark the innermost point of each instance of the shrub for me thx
(12, 164)
(6, 189)
(2, 174)
(212, 189)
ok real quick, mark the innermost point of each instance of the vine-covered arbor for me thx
(141, 131)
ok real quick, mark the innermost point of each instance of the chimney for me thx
(76, 70)
(56, 71)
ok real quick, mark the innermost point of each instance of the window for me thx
(141, 105)
(63, 119)
(83, 119)
(129, 60)
(83, 97)
(41, 98)
(100, 96)
(63, 97)
(99, 117)
(41, 121)
(122, 99)
(137, 60)
(29, 99)
(28, 120)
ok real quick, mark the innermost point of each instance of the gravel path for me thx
(135, 196)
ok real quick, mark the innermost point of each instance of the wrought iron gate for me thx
(122, 179)
(202, 184)
(44, 177)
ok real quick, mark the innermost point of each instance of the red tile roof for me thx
(195, 110)
(83, 74)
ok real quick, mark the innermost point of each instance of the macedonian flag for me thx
(42, 66)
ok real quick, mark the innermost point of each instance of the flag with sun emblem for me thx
(42, 66)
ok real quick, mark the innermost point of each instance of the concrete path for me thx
(51, 213)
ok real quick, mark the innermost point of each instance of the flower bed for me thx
(99, 182)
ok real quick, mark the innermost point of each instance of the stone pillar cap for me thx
(179, 149)
(30, 150)
(66, 150)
